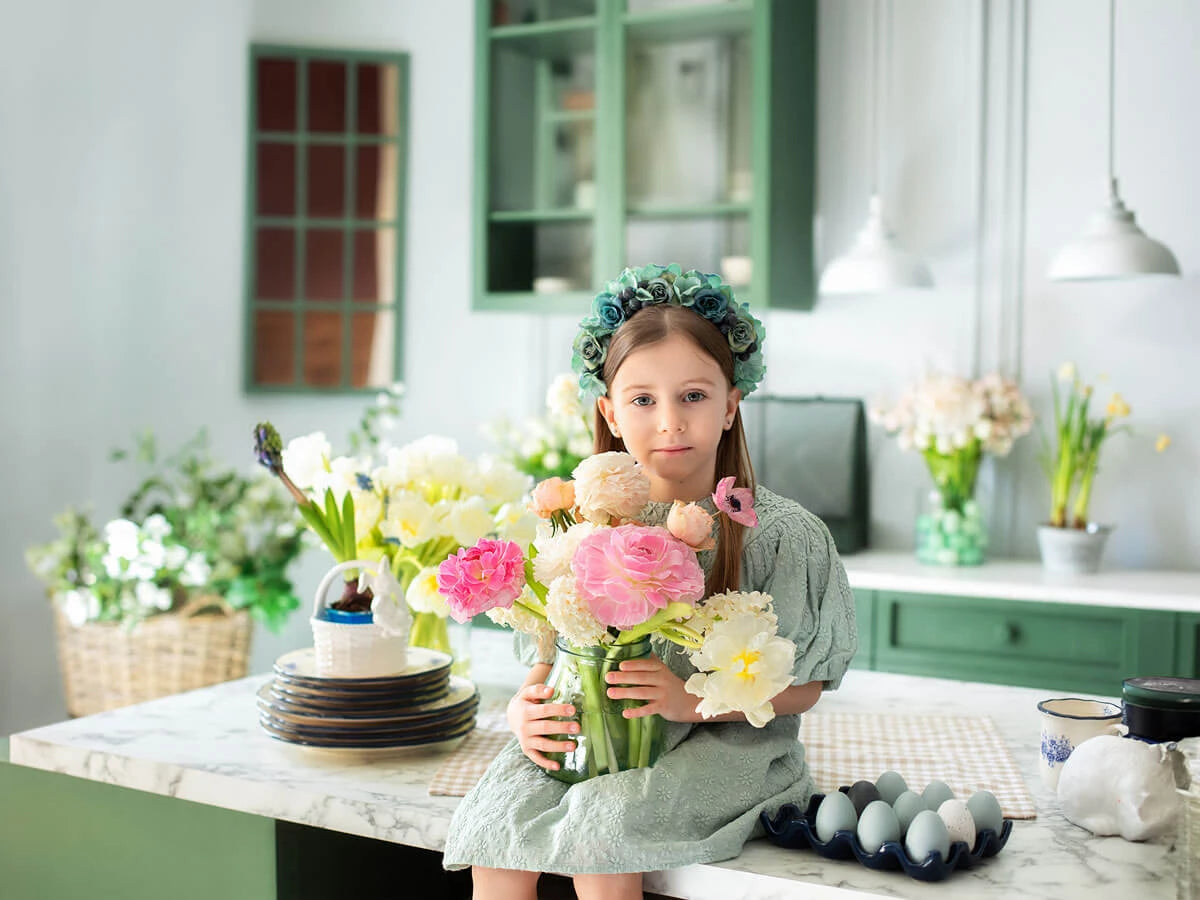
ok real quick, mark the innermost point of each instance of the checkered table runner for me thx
(965, 752)
(842, 748)
(467, 763)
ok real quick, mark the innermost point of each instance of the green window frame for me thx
(315, 280)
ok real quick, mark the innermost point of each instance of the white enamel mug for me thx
(1066, 723)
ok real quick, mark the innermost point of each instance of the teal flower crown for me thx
(652, 285)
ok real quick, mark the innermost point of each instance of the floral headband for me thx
(652, 285)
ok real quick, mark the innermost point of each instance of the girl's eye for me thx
(693, 396)
(642, 400)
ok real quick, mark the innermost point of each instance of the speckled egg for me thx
(862, 794)
(836, 813)
(926, 834)
(985, 810)
(907, 806)
(890, 786)
(959, 821)
(936, 793)
(878, 823)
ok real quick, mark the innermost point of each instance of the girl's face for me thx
(670, 403)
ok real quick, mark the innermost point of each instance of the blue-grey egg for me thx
(959, 822)
(861, 794)
(936, 793)
(878, 823)
(926, 834)
(836, 813)
(985, 810)
(907, 806)
(890, 786)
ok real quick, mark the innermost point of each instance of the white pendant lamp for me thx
(1112, 245)
(875, 263)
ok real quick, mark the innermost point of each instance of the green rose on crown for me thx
(651, 285)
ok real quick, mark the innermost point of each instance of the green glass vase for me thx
(606, 741)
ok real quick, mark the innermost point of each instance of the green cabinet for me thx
(1064, 646)
(624, 132)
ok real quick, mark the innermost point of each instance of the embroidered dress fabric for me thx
(701, 801)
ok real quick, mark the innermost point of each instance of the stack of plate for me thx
(419, 706)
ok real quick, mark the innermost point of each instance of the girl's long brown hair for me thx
(653, 324)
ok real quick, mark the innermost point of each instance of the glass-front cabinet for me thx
(623, 132)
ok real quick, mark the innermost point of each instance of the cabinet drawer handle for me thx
(1009, 632)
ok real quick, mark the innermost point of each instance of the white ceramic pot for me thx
(1072, 551)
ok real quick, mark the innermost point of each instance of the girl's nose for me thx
(671, 419)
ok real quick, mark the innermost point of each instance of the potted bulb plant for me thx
(1070, 542)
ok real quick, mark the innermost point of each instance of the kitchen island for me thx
(206, 747)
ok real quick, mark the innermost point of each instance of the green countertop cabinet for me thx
(567, 191)
(1069, 647)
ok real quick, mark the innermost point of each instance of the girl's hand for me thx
(530, 719)
(650, 680)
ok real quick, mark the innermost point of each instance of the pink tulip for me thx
(737, 503)
(626, 574)
(491, 574)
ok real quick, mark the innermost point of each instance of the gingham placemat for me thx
(466, 765)
(965, 752)
(841, 748)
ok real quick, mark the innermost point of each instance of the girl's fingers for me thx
(536, 692)
(548, 746)
(634, 693)
(550, 726)
(638, 712)
(633, 676)
(548, 710)
(641, 665)
(538, 760)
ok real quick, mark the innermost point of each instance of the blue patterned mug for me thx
(1066, 723)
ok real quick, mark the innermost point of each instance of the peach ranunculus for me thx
(692, 524)
(610, 486)
(628, 573)
(552, 495)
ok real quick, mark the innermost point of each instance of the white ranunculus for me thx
(423, 595)
(122, 538)
(743, 665)
(408, 519)
(562, 397)
(499, 481)
(570, 615)
(515, 523)
(610, 486)
(306, 458)
(554, 553)
(469, 520)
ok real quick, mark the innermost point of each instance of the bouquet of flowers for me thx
(190, 527)
(597, 582)
(1072, 464)
(409, 510)
(554, 443)
(952, 422)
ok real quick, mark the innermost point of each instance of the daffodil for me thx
(1163, 442)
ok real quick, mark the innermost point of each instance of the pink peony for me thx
(691, 524)
(627, 573)
(552, 495)
(737, 503)
(491, 574)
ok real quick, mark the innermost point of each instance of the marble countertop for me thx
(205, 746)
(1013, 579)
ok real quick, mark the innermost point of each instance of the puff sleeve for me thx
(795, 561)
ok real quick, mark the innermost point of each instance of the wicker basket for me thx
(105, 666)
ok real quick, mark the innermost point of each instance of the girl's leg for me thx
(609, 887)
(503, 884)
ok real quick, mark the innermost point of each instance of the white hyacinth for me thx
(570, 615)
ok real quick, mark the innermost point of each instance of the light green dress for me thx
(701, 801)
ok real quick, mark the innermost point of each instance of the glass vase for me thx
(606, 741)
(950, 531)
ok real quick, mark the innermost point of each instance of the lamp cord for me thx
(1112, 82)
(876, 92)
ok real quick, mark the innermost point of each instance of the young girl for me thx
(672, 364)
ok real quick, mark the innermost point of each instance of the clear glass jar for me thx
(606, 741)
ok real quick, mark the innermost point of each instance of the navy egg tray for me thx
(795, 830)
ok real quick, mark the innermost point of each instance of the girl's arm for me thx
(651, 680)
(531, 718)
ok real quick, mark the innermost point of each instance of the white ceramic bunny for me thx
(1116, 785)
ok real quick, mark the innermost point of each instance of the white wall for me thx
(121, 174)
